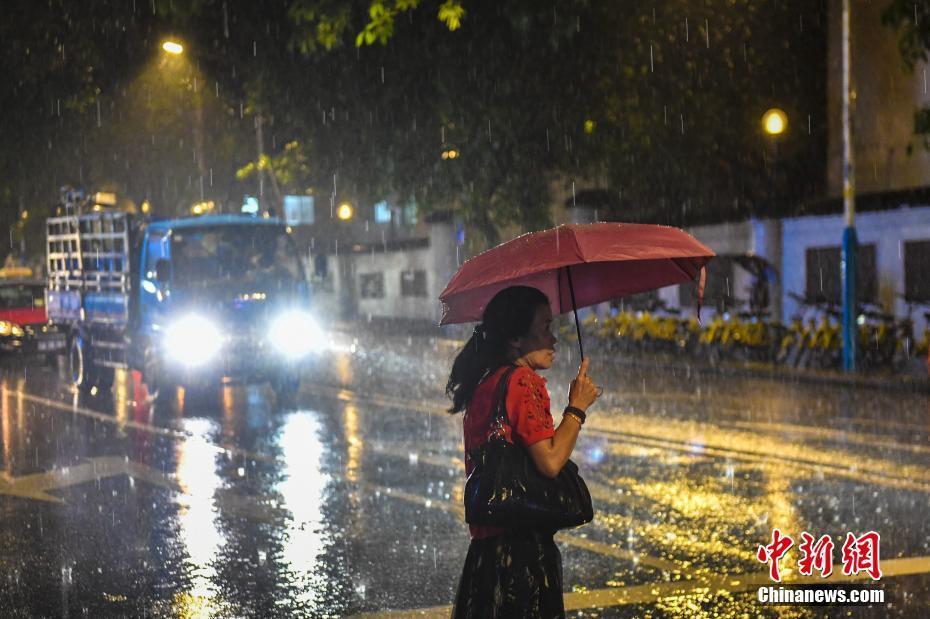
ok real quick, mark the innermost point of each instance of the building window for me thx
(382, 213)
(372, 285)
(916, 267)
(413, 283)
(824, 277)
(298, 210)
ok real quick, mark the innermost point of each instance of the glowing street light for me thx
(774, 121)
(173, 47)
(344, 212)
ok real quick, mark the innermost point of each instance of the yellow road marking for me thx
(651, 593)
(860, 438)
(881, 479)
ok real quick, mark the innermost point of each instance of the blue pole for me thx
(850, 305)
(850, 242)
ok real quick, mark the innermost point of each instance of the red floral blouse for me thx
(527, 411)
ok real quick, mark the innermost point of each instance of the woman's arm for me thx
(550, 455)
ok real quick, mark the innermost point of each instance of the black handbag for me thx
(505, 489)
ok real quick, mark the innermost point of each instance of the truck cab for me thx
(185, 301)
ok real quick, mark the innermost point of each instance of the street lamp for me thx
(173, 47)
(175, 60)
(774, 121)
(344, 212)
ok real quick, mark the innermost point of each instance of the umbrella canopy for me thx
(603, 260)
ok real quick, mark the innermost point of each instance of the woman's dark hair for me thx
(508, 316)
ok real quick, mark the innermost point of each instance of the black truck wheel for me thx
(77, 374)
(80, 365)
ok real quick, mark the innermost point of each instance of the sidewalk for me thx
(885, 382)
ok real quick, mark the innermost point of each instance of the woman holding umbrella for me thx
(515, 572)
(513, 289)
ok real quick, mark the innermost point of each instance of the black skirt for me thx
(517, 574)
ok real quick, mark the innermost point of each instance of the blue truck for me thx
(188, 301)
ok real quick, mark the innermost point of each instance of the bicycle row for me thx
(812, 339)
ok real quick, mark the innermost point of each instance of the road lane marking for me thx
(170, 433)
(697, 437)
(37, 485)
(98, 416)
(710, 586)
(739, 412)
(881, 479)
(845, 436)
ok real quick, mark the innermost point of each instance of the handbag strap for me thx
(500, 402)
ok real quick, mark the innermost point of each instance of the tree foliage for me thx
(912, 22)
(56, 61)
(657, 105)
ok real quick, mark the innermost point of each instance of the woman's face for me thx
(537, 347)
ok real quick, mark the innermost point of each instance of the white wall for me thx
(888, 230)
(784, 243)
(439, 261)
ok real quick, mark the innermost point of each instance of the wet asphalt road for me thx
(221, 504)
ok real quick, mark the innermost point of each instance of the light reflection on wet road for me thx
(219, 504)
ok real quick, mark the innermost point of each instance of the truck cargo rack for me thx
(89, 252)
(89, 270)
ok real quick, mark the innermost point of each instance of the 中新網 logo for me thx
(859, 554)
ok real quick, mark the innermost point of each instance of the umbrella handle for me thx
(571, 290)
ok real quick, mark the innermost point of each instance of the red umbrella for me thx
(577, 265)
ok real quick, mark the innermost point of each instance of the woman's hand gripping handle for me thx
(583, 392)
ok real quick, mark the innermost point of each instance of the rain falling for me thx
(266, 351)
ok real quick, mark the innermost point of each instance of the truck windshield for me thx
(244, 253)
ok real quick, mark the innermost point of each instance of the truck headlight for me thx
(10, 328)
(192, 340)
(296, 334)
